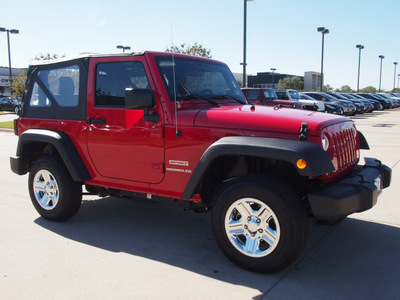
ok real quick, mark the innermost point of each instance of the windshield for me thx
(306, 97)
(338, 96)
(294, 95)
(270, 94)
(358, 96)
(197, 79)
(329, 96)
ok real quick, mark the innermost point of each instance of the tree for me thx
(368, 89)
(346, 89)
(18, 83)
(295, 83)
(17, 86)
(327, 88)
(196, 49)
(47, 56)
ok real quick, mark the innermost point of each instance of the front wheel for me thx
(260, 224)
(53, 193)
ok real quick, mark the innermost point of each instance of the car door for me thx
(120, 143)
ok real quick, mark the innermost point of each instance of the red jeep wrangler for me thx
(164, 126)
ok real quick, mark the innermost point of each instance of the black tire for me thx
(53, 193)
(277, 240)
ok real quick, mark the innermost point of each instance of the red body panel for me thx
(126, 143)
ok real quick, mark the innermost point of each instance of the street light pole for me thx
(324, 31)
(394, 80)
(13, 31)
(380, 72)
(273, 76)
(244, 42)
(360, 47)
(123, 48)
(398, 81)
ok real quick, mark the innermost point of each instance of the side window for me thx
(254, 95)
(61, 83)
(282, 95)
(112, 78)
(38, 97)
(270, 95)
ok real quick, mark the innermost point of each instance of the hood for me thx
(267, 119)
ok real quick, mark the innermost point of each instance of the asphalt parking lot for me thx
(131, 249)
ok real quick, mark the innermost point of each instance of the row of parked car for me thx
(10, 104)
(336, 103)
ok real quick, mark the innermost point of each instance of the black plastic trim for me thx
(356, 192)
(61, 141)
(318, 161)
(363, 141)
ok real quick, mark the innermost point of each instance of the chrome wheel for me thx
(252, 227)
(46, 189)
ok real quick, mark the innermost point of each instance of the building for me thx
(266, 79)
(312, 81)
(5, 80)
(238, 77)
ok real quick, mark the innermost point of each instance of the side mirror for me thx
(141, 99)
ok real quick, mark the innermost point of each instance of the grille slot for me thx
(346, 152)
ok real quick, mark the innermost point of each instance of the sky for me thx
(281, 34)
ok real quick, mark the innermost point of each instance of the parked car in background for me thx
(268, 97)
(385, 103)
(348, 107)
(377, 105)
(395, 94)
(329, 107)
(10, 104)
(294, 95)
(394, 100)
(368, 105)
(360, 106)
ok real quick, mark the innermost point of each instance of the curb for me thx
(6, 130)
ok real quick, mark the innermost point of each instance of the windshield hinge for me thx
(303, 131)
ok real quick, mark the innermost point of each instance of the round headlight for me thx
(354, 131)
(325, 142)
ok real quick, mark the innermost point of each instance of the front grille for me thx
(346, 152)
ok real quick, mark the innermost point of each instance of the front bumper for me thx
(356, 192)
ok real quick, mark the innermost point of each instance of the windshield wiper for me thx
(193, 97)
(190, 96)
(229, 97)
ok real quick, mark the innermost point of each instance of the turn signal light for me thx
(301, 164)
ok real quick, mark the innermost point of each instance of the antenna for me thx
(178, 133)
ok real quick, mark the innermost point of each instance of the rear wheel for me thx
(260, 224)
(53, 192)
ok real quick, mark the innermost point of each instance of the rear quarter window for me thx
(56, 91)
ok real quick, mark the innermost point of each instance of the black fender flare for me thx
(318, 161)
(363, 141)
(61, 141)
